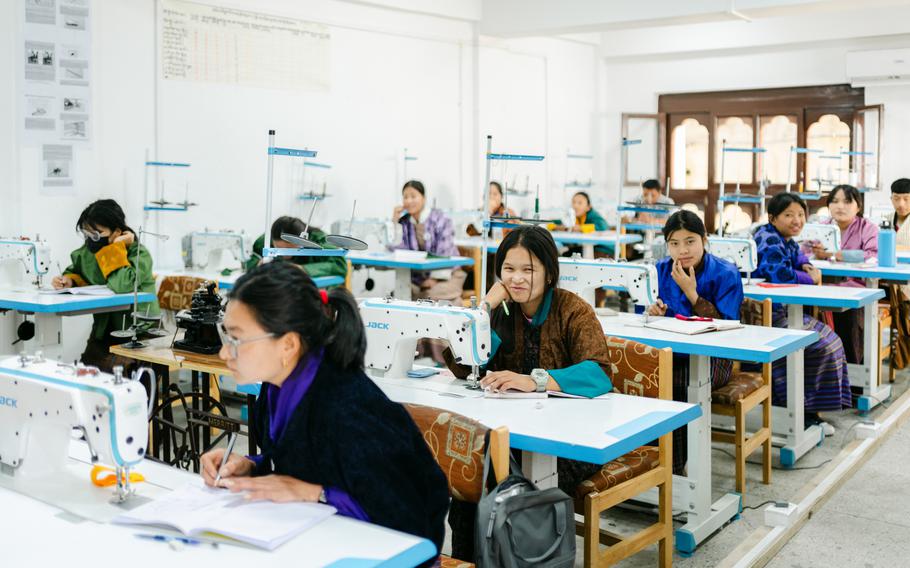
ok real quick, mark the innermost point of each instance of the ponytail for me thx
(346, 345)
(284, 299)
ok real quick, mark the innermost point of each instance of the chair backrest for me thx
(754, 312)
(176, 292)
(640, 369)
(458, 444)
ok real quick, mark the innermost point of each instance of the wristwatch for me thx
(542, 378)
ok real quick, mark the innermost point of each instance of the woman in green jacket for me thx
(315, 266)
(110, 257)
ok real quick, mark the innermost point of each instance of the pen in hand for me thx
(224, 458)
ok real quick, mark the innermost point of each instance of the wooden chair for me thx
(477, 290)
(458, 444)
(885, 322)
(347, 277)
(639, 370)
(744, 392)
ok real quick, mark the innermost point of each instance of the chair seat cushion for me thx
(739, 387)
(624, 468)
(448, 562)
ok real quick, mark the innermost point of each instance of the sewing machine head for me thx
(205, 249)
(740, 251)
(42, 401)
(582, 276)
(23, 259)
(393, 328)
(827, 235)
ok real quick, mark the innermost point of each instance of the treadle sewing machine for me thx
(200, 321)
(205, 249)
(583, 276)
(827, 235)
(740, 251)
(393, 328)
(43, 401)
(33, 256)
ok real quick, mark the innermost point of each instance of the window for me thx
(736, 132)
(777, 134)
(832, 136)
(867, 139)
(689, 155)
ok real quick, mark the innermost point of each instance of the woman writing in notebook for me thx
(827, 386)
(543, 338)
(693, 282)
(110, 256)
(328, 434)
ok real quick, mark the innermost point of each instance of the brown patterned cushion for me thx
(457, 443)
(634, 367)
(448, 562)
(629, 466)
(739, 387)
(176, 292)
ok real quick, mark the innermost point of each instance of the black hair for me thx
(288, 224)
(781, 201)
(684, 220)
(901, 185)
(414, 184)
(585, 195)
(851, 194)
(539, 242)
(103, 213)
(498, 186)
(651, 184)
(284, 299)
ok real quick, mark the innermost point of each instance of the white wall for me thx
(634, 84)
(400, 78)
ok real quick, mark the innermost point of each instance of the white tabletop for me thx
(36, 534)
(388, 259)
(749, 343)
(822, 296)
(33, 301)
(592, 430)
(901, 272)
(595, 238)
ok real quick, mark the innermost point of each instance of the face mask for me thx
(95, 246)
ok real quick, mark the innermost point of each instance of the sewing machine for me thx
(43, 401)
(827, 235)
(34, 256)
(740, 251)
(393, 328)
(204, 249)
(583, 276)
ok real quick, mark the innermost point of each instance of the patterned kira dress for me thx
(827, 386)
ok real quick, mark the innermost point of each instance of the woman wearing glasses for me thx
(328, 434)
(108, 257)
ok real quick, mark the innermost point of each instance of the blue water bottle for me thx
(887, 244)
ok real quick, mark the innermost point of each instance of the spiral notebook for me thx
(199, 511)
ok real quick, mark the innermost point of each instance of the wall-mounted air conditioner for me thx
(879, 66)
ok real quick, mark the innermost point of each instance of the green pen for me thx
(505, 307)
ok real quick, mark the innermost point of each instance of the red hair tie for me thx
(325, 296)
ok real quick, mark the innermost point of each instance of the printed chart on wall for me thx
(55, 84)
(212, 44)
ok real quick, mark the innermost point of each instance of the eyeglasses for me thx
(92, 235)
(232, 343)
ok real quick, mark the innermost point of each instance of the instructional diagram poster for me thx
(237, 47)
(55, 81)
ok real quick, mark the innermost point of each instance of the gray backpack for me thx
(519, 525)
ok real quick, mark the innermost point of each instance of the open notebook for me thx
(514, 394)
(97, 290)
(692, 327)
(200, 511)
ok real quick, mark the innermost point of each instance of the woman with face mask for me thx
(827, 386)
(328, 433)
(544, 339)
(108, 257)
(858, 243)
(693, 282)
